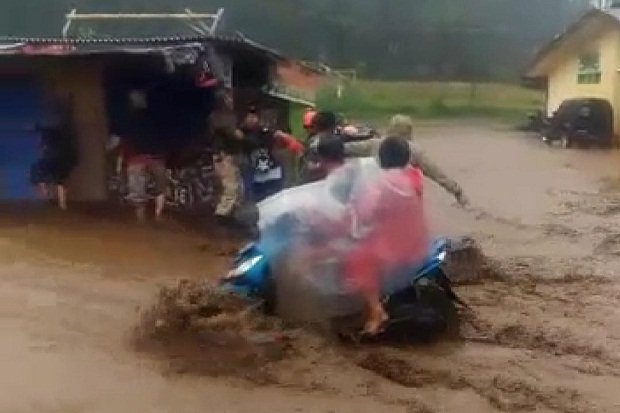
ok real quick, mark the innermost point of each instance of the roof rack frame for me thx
(205, 24)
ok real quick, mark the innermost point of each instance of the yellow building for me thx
(583, 62)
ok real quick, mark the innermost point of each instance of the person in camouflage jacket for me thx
(402, 126)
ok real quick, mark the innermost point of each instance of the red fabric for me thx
(205, 80)
(392, 212)
(131, 157)
(289, 143)
(308, 118)
(417, 179)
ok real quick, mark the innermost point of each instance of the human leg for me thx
(61, 192)
(158, 171)
(362, 270)
(62, 171)
(228, 173)
(136, 185)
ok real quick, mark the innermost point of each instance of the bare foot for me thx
(375, 323)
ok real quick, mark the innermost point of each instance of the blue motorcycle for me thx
(420, 301)
(295, 268)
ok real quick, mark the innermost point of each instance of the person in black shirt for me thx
(259, 143)
(59, 154)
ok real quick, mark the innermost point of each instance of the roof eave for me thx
(535, 69)
(15, 45)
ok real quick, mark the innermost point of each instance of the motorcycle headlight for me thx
(442, 256)
(243, 268)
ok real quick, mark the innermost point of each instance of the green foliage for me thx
(295, 120)
(379, 100)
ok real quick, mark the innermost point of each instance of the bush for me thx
(378, 100)
(437, 107)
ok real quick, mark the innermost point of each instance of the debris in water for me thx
(198, 329)
(467, 264)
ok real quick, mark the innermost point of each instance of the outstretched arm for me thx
(361, 149)
(432, 171)
(289, 143)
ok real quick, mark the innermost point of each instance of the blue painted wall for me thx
(19, 138)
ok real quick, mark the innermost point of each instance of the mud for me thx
(543, 336)
(198, 330)
(502, 392)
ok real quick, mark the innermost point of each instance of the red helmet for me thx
(308, 118)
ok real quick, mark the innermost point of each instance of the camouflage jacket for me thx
(370, 147)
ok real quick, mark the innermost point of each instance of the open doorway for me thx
(172, 123)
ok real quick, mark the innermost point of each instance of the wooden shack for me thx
(93, 73)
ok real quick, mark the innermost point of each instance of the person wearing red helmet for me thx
(308, 119)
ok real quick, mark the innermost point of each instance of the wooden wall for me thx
(83, 81)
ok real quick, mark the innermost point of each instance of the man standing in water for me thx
(402, 126)
(59, 153)
(229, 156)
(144, 157)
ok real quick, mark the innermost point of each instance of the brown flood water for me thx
(546, 340)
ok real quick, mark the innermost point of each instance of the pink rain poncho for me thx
(389, 229)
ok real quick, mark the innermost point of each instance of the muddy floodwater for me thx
(546, 338)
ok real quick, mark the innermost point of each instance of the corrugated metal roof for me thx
(119, 40)
(123, 44)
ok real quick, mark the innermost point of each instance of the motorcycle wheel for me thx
(270, 303)
(421, 313)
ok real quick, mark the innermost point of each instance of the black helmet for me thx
(331, 148)
(324, 121)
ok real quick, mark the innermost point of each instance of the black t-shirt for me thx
(259, 145)
(141, 136)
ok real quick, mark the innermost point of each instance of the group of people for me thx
(244, 158)
(249, 169)
(246, 162)
(384, 218)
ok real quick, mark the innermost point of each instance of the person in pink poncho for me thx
(388, 224)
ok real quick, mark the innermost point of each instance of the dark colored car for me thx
(581, 122)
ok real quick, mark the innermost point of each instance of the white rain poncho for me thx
(305, 234)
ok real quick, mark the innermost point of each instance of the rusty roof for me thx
(59, 46)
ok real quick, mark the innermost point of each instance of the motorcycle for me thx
(295, 268)
(422, 306)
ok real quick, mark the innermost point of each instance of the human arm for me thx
(434, 172)
(288, 142)
(362, 149)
